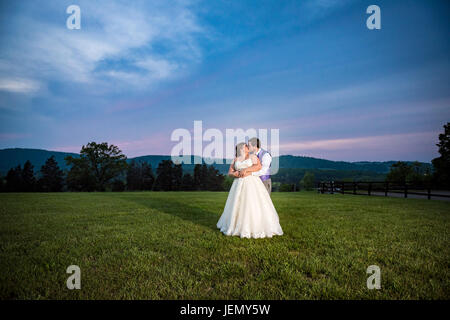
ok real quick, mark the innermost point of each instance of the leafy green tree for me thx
(14, 179)
(200, 176)
(140, 176)
(134, 176)
(441, 164)
(214, 179)
(416, 174)
(187, 183)
(227, 182)
(286, 187)
(148, 179)
(308, 181)
(28, 179)
(52, 179)
(97, 165)
(207, 178)
(398, 172)
(2, 184)
(164, 176)
(80, 177)
(177, 176)
(118, 185)
(402, 172)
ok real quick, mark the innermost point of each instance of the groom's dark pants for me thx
(268, 184)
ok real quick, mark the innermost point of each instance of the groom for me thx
(254, 146)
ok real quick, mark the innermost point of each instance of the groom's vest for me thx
(260, 157)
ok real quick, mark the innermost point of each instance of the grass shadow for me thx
(179, 208)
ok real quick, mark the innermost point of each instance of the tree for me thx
(2, 183)
(97, 165)
(80, 177)
(14, 179)
(308, 181)
(207, 178)
(164, 179)
(187, 183)
(200, 176)
(118, 185)
(416, 174)
(214, 179)
(177, 176)
(170, 178)
(140, 176)
(28, 179)
(441, 164)
(398, 172)
(227, 182)
(134, 176)
(402, 172)
(147, 177)
(286, 187)
(52, 179)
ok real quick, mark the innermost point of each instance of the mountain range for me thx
(12, 157)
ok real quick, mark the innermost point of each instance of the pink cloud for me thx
(157, 144)
(13, 136)
(404, 146)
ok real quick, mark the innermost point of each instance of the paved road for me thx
(413, 196)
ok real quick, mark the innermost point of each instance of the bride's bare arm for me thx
(231, 171)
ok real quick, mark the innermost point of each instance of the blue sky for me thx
(136, 71)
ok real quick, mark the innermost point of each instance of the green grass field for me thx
(148, 245)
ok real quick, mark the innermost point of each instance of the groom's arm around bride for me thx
(266, 161)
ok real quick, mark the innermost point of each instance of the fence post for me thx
(342, 187)
(386, 189)
(354, 187)
(429, 193)
(406, 190)
(369, 189)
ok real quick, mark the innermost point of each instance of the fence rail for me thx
(378, 188)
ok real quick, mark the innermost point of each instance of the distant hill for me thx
(11, 157)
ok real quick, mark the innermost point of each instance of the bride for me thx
(249, 211)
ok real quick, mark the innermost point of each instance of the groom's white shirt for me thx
(265, 162)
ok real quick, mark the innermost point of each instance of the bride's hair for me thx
(239, 147)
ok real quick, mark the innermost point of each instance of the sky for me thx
(137, 70)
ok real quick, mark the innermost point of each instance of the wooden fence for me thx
(378, 188)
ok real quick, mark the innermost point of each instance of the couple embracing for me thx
(249, 211)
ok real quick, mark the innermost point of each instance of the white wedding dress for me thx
(249, 211)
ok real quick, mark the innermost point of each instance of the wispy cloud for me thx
(12, 136)
(117, 42)
(19, 85)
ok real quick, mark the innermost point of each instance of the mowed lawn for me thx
(165, 245)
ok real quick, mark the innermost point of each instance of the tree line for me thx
(102, 167)
(414, 173)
